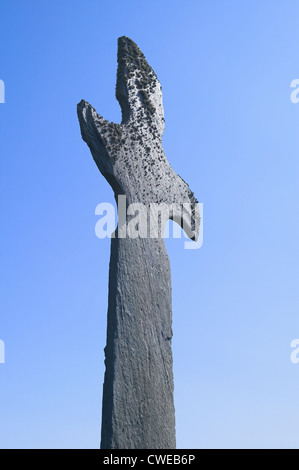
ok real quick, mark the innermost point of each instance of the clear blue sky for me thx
(233, 134)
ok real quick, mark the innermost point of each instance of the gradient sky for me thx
(232, 133)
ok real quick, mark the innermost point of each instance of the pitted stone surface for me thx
(138, 409)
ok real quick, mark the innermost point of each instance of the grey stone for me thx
(138, 408)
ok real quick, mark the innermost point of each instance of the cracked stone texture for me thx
(138, 408)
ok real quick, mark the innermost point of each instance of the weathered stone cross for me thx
(138, 407)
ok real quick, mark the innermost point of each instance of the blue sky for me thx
(233, 134)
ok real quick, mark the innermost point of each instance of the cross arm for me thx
(102, 137)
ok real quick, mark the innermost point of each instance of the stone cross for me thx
(138, 407)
